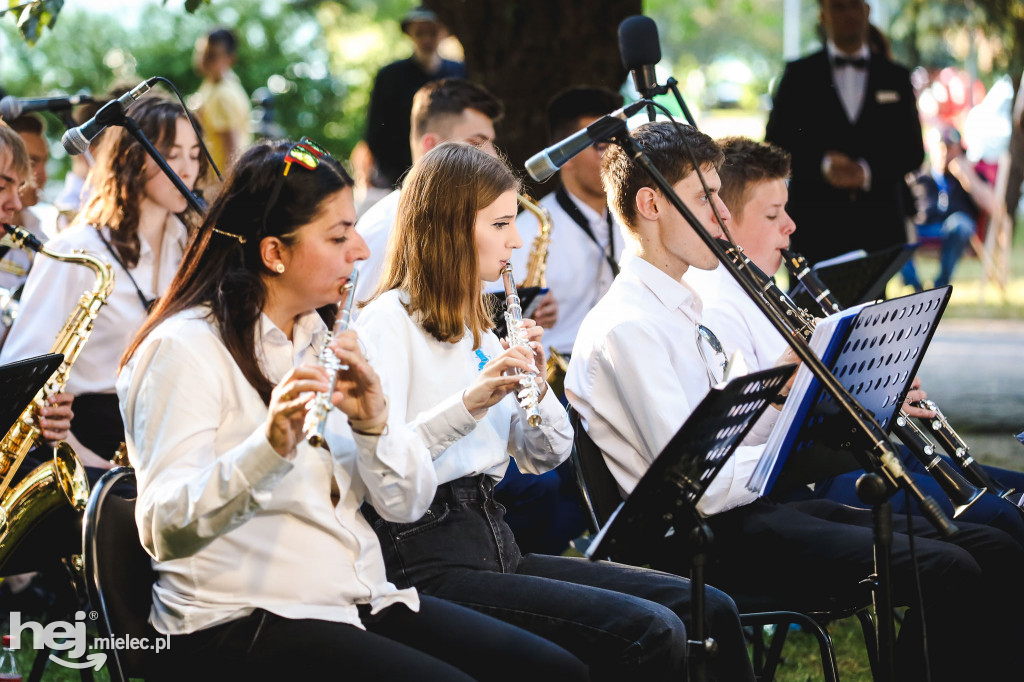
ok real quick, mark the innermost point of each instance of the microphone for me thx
(640, 50)
(77, 140)
(13, 107)
(546, 162)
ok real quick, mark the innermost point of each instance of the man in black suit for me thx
(849, 119)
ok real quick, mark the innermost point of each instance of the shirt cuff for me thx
(446, 424)
(261, 466)
(866, 186)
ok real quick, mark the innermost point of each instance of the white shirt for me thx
(54, 289)
(851, 82)
(375, 228)
(636, 375)
(15, 264)
(425, 378)
(231, 525)
(737, 321)
(578, 274)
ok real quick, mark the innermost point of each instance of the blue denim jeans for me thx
(955, 232)
(624, 622)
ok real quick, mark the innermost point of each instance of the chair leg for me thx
(867, 626)
(782, 620)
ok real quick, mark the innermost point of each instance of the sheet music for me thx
(796, 406)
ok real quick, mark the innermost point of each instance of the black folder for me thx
(19, 383)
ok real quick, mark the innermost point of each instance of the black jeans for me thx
(626, 623)
(443, 642)
(807, 552)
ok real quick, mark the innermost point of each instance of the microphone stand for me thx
(884, 462)
(129, 124)
(671, 84)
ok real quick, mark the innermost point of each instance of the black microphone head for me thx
(638, 42)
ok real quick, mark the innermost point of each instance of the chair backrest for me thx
(597, 486)
(119, 573)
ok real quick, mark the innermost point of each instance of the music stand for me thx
(857, 280)
(19, 383)
(666, 497)
(876, 360)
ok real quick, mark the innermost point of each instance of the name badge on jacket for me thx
(887, 96)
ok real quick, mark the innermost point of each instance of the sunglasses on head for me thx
(305, 153)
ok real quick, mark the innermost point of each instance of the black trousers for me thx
(440, 643)
(626, 623)
(808, 551)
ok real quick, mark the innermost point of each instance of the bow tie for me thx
(855, 62)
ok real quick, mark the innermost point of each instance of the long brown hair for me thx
(432, 252)
(118, 179)
(224, 274)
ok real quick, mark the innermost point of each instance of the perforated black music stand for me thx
(19, 383)
(666, 497)
(858, 280)
(876, 361)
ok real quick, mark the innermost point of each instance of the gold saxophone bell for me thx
(51, 486)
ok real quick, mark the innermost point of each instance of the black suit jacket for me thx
(808, 119)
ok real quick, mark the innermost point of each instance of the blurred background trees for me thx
(313, 61)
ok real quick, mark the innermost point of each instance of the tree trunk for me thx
(527, 51)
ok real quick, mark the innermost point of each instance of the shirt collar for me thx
(309, 331)
(174, 232)
(673, 294)
(589, 213)
(863, 53)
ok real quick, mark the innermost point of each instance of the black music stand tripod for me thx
(665, 500)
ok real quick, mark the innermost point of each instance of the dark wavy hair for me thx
(118, 179)
(220, 272)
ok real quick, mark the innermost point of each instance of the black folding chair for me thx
(600, 495)
(119, 572)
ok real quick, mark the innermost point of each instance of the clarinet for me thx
(961, 493)
(529, 397)
(962, 489)
(320, 405)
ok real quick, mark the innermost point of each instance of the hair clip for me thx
(240, 238)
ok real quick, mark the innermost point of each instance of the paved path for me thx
(974, 370)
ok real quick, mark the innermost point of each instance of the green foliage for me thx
(316, 58)
(36, 16)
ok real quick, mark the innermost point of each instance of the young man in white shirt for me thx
(754, 179)
(586, 241)
(636, 375)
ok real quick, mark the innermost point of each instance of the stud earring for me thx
(279, 268)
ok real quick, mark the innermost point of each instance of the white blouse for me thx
(54, 289)
(425, 378)
(230, 524)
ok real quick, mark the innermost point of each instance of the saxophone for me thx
(62, 480)
(536, 276)
(320, 405)
(536, 264)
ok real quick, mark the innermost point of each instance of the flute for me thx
(320, 405)
(529, 396)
